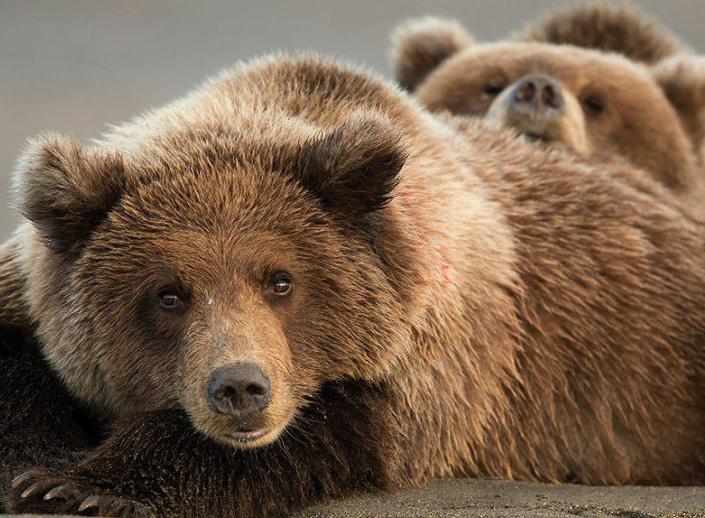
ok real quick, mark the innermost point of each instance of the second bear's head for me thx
(592, 102)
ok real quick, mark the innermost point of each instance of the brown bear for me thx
(597, 104)
(295, 284)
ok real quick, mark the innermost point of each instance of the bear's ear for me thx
(66, 190)
(682, 79)
(420, 45)
(605, 27)
(353, 168)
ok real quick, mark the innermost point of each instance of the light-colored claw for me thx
(21, 478)
(30, 490)
(58, 492)
(91, 501)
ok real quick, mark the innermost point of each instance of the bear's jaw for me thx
(251, 438)
(245, 436)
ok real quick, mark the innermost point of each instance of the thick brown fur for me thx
(463, 303)
(606, 27)
(614, 108)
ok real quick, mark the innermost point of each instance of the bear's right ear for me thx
(419, 46)
(66, 190)
(608, 28)
(682, 79)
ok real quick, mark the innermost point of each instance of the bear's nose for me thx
(239, 390)
(537, 95)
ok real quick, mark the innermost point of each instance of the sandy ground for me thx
(468, 498)
(473, 498)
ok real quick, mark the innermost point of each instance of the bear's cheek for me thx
(221, 369)
(572, 129)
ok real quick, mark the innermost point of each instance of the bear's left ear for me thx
(682, 78)
(66, 190)
(419, 46)
(353, 168)
(608, 28)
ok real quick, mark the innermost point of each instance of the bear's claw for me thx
(63, 492)
(91, 501)
(18, 480)
(47, 491)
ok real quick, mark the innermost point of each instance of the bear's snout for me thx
(538, 96)
(240, 390)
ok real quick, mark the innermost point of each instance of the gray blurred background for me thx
(74, 66)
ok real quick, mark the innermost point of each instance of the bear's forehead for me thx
(561, 61)
(214, 179)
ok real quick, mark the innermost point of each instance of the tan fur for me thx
(606, 27)
(13, 311)
(533, 317)
(650, 116)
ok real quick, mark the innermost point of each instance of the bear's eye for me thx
(593, 103)
(169, 299)
(493, 89)
(279, 284)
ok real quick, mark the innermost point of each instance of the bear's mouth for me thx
(247, 435)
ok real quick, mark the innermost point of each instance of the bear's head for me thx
(591, 102)
(226, 270)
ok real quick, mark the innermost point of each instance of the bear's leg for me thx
(39, 424)
(156, 464)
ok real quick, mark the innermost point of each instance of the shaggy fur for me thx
(607, 28)
(463, 303)
(614, 108)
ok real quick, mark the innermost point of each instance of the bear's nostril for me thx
(526, 92)
(255, 390)
(240, 390)
(548, 95)
(225, 393)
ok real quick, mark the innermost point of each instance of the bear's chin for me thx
(246, 437)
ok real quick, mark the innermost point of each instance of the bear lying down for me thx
(295, 284)
(596, 104)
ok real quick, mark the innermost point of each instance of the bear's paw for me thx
(48, 491)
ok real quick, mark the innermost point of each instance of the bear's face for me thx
(572, 97)
(587, 101)
(201, 277)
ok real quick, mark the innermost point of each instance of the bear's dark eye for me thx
(169, 299)
(279, 284)
(593, 103)
(493, 89)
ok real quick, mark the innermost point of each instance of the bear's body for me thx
(600, 105)
(297, 261)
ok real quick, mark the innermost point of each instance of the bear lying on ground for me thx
(296, 284)
(597, 104)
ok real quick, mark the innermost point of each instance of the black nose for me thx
(537, 95)
(240, 390)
